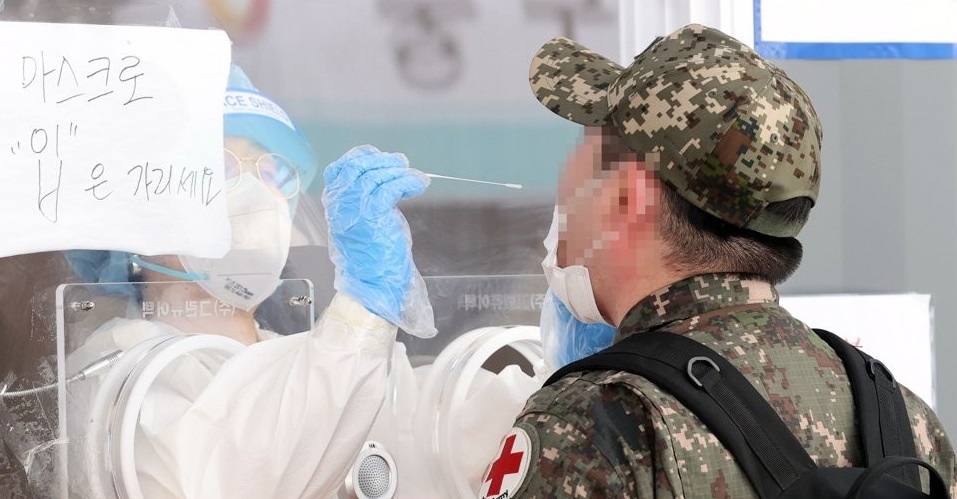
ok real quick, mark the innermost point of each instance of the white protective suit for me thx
(283, 418)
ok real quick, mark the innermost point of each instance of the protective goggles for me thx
(276, 172)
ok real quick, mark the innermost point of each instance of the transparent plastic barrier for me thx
(39, 434)
(464, 303)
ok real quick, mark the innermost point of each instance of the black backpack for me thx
(761, 443)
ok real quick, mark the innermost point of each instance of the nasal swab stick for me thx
(510, 186)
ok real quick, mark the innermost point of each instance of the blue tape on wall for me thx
(800, 50)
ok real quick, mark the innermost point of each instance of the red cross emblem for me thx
(508, 469)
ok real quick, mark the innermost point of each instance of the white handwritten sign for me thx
(111, 137)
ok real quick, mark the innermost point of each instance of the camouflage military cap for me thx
(733, 133)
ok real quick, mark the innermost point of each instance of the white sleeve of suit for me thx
(283, 418)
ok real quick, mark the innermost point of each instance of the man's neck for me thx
(624, 291)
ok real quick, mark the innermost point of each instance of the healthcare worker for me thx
(284, 416)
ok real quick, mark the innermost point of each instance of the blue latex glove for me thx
(369, 239)
(565, 339)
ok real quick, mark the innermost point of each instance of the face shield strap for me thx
(179, 274)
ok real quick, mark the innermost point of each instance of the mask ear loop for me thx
(179, 274)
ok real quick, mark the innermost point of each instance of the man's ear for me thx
(638, 195)
(632, 215)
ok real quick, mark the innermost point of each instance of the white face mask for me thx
(261, 226)
(572, 284)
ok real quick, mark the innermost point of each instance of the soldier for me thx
(700, 163)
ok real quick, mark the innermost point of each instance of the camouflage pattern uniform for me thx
(731, 133)
(614, 434)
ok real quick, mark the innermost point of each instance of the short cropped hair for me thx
(699, 242)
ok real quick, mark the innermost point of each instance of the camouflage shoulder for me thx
(567, 394)
(585, 439)
(546, 456)
(546, 396)
(931, 440)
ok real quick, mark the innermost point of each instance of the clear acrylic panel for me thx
(44, 412)
(464, 303)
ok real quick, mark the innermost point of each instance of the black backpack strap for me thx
(881, 412)
(718, 394)
(863, 487)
